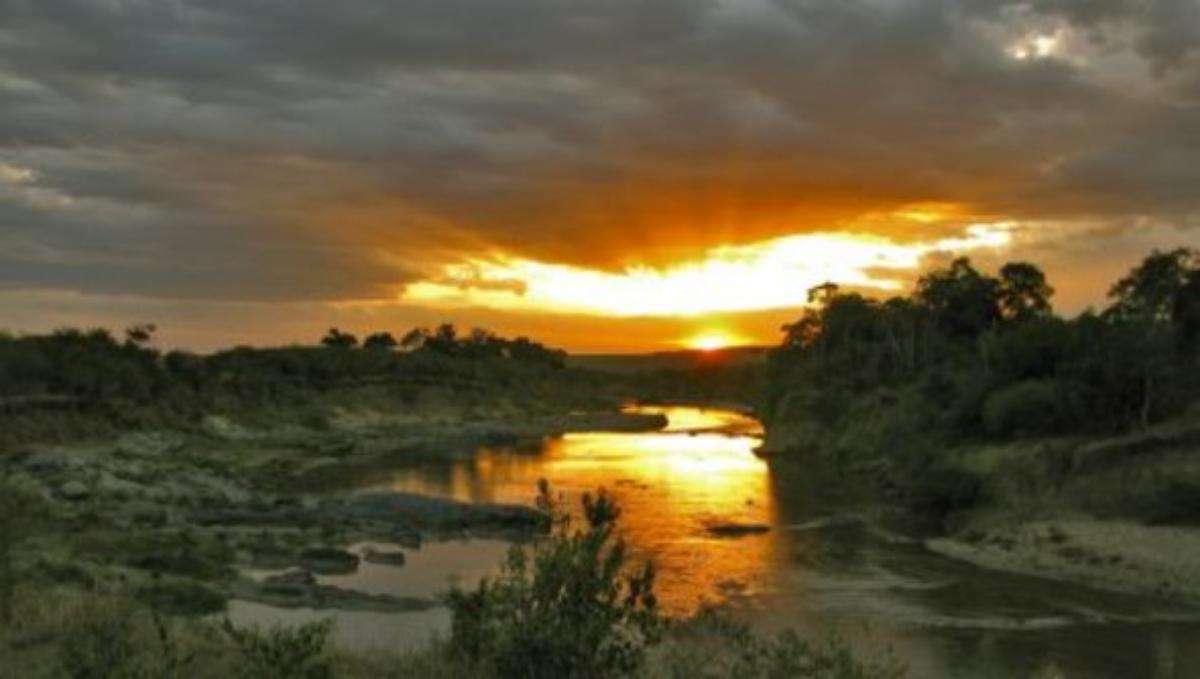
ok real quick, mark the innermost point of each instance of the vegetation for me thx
(970, 358)
(572, 606)
(568, 609)
(73, 383)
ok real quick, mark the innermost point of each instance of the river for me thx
(826, 565)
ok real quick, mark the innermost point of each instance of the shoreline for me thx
(1114, 555)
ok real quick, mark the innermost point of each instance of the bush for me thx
(283, 652)
(20, 510)
(569, 607)
(713, 647)
(181, 597)
(942, 490)
(1026, 408)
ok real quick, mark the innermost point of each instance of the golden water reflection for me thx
(673, 486)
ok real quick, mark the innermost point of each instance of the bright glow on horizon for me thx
(710, 342)
(773, 274)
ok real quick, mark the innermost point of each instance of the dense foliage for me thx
(971, 357)
(130, 383)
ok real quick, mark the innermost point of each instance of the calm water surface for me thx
(826, 566)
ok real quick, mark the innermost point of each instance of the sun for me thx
(709, 342)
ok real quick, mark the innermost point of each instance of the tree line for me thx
(968, 356)
(93, 370)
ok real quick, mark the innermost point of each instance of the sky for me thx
(618, 175)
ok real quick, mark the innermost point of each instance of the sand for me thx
(1115, 555)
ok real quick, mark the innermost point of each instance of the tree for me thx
(1023, 293)
(382, 341)
(963, 301)
(140, 334)
(415, 339)
(1186, 315)
(336, 339)
(1148, 293)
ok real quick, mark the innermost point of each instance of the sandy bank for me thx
(1115, 555)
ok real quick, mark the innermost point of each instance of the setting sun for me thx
(709, 342)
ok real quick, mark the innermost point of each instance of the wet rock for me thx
(736, 530)
(386, 558)
(74, 490)
(298, 593)
(328, 561)
(438, 513)
(290, 579)
(292, 516)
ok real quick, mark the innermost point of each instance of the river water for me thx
(826, 565)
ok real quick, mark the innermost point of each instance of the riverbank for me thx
(179, 519)
(1122, 556)
(1120, 513)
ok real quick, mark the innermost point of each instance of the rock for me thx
(290, 579)
(386, 558)
(297, 593)
(293, 516)
(146, 513)
(737, 530)
(149, 444)
(74, 490)
(328, 561)
(410, 509)
(221, 427)
(46, 462)
(108, 484)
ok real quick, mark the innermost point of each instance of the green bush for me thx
(1026, 408)
(570, 607)
(282, 652)
(20, 511)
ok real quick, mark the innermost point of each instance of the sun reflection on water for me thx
(672, 486)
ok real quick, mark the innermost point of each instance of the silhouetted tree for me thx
(1023, 293)
(380, 341)
(336, 339)
(963, 301)
(140, 334)
(1147, 294)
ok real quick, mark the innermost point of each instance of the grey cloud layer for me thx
(266, 149)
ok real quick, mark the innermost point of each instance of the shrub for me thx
(1026, 408)
(569, 607)
(714, 647)
(942, 490)
(20, 510)
(181, 597)
(283, 652)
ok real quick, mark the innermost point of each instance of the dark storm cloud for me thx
(264, 149)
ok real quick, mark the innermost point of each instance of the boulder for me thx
(149, 443)
(410, 509)
(74, 490)
(382, 557)
(328, 561)
(109, 484)
(46, 462)
(222, 427)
